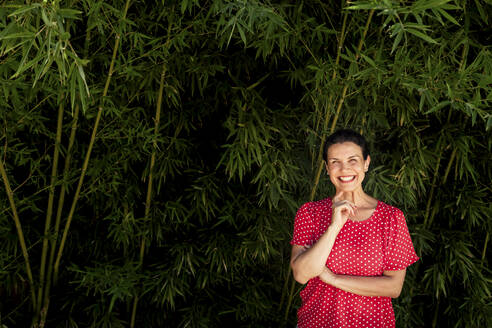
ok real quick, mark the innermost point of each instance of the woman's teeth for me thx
(347, 179)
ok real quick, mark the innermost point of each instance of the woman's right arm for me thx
(309, 262)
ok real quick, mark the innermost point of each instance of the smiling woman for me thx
(351, 249)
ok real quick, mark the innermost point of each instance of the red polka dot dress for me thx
(366, 248)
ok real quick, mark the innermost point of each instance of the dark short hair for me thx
(346, 135)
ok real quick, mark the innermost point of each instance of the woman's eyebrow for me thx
(352, 156)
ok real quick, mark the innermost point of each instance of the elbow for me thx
(299, 277)
(301, 281)
(395, 293)
(303, 272)
(394, 281)
(299, 274)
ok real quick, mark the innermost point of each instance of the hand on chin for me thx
(344, 194)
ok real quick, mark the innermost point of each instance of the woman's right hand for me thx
(309, 262)
(341, 210)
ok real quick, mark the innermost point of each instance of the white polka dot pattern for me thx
(365, 248)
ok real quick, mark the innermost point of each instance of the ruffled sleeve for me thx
(303, 226)
(399, 250)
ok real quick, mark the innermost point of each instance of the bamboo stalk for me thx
(289, 300)
(436, 312)
(340, 103)
(325, 126)
(149, 185)
(327, 106)
(448, 168)
(484, 251)
(49, 210)
(20, 233)
(334, 74)
(359, 48)
(89, 150)
(284, 288)
(61, 201)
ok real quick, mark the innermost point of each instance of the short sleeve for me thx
(303, 226)
(399, 252)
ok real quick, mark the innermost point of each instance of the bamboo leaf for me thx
(437, 107)
(421, 35)
(448, 16)
(241, 33)
(422, 5)
(397, 41)
(25, 9)
(82, 93)
(69, 13)
(18, 35)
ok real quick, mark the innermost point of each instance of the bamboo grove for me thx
(153, 153)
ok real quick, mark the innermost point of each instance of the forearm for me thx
(311, 262)
(367, 286)
(385, 285)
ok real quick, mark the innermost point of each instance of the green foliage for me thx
(249, 91)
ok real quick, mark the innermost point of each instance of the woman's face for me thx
(346, 166)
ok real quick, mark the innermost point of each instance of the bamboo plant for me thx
(182, 216)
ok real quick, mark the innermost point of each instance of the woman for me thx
(352, 250)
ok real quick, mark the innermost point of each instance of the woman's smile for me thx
(347, 179)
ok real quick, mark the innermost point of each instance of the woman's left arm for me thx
(389, 284)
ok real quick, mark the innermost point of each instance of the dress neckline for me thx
(370, 218)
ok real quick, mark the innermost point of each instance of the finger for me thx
(353, 210)
(344, 202)
(348, 209)
(345, 206)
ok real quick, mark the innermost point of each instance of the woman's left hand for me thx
(327, 276)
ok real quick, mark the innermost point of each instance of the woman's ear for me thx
(366, 163)
(326, 168)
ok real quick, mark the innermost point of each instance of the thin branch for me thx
(61, 202)
(89, 150)
(448, 168)
(20, 232)
(149, 185)
(49, 210)
(340, 103)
